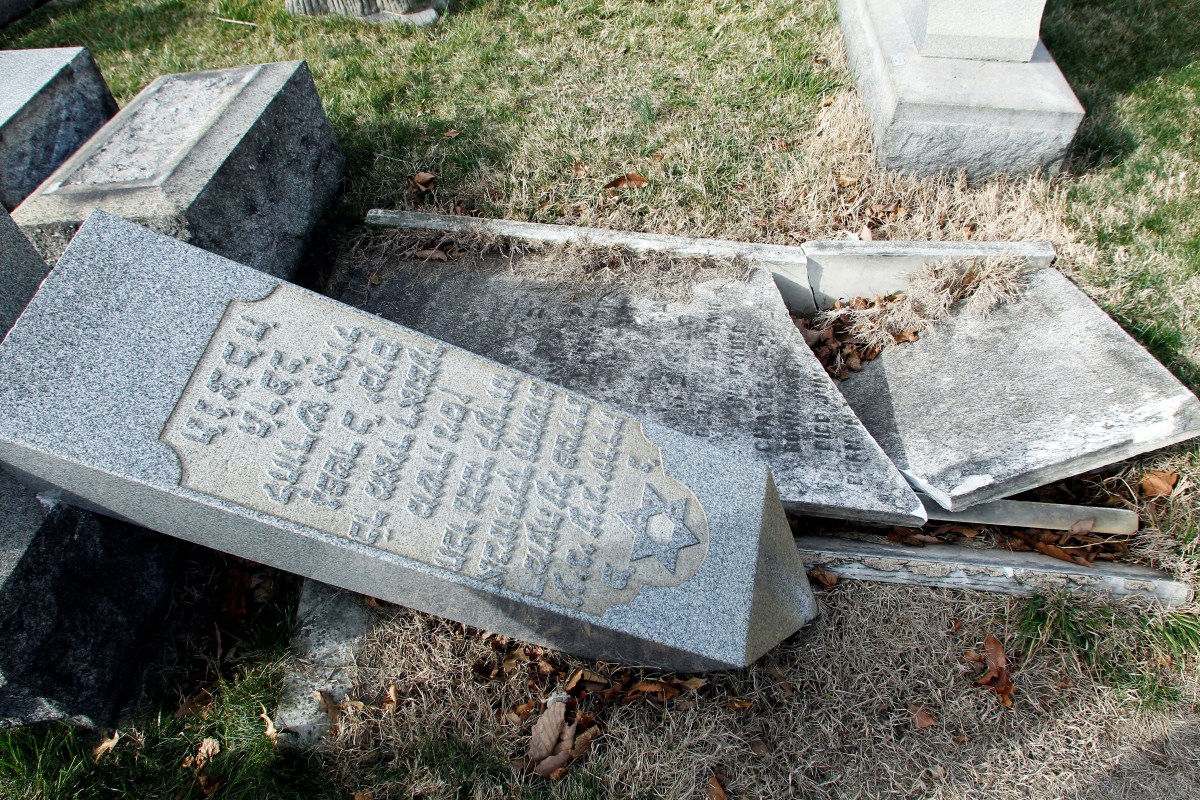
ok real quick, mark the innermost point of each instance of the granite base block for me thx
(78, 594)
(51, 102)
(241, 162)
(931, 114)
(226, 407)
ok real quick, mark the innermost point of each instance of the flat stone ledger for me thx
(287, 428)
(726, 364)
(241, 162)
(1040, 389)
(933, 113)
(51, 102)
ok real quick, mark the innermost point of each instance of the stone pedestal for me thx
(946, 87)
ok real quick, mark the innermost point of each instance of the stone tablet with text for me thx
(212, 402)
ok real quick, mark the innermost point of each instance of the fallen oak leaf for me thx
(630, 180)
(583, 742)
(997, 677)
(694, 684)
(715, 791)
(205, 753)
(550, 733)
(823, 577)
(434, 254)
(921, 718)
(1156, 483)
(424, 181)
(579, 169)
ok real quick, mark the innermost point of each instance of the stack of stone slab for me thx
(959, 84)
(223, 406)
(241, 162)
(206, 156)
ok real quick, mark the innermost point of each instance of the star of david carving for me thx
(645, 545)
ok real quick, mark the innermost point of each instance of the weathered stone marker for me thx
(726, 364)
(410, 12)
(1043, 388)
(241, 162)
(51, 101)
(218, 404)
(77, 594)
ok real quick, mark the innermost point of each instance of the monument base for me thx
(931, 114)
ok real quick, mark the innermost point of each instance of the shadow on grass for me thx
(99, 26)
(1106, 48)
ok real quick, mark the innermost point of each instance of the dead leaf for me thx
(208, 785)
(208, 750)
(865, 234)
(759, 748)
(1158, 484)
(424, 180)
(846, 181)
(106, 745)
(374, 280)
(551, 741)
(738, 705)
(996, 678)
(823, 577)
(193, 704)
(694, 684)
(269, 731)
(1084, 526)
(956, 626)
(630, 180)
(583, 742)
(655, 689)
(391, 700)
(579, 169)
(921, 718)
(331, 709)
(452, 133)
(436, 255)
(962, 739)
(714, 791)
(364, 794)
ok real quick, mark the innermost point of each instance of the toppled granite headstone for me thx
(330, 627)
(226, 407)
(241, 162)
(21, 270)
(51, 101)
(726, 364)
(78, 592)
(1040, 389)
(410, 12)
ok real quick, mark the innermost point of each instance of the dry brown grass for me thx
(829, 716)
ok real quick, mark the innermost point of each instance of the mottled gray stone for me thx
(999, 30)
(226, 407)
(727, 364)
(933, 114)
(21, 270)
(1049, 516)
(51, 101)
(78, 592)
(241, 162)
(986, 570)
(411, 12)
(1040, 389)
(330, 628)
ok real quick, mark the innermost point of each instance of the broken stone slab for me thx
(409, 12)
(331, 625)
(223, 406)
(930, 114)
(241, 162)
(789, 265)
(1040, 389)
(21, 271)
(841, 270)
(51, 101)
(986, 570)
(78, 594)
(1050, 516)
(726, 364)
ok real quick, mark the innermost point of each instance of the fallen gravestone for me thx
(410, 12)
(51, 101)
(21, 270)
(1040, 389)
(726, 364)
(223, 406)
(241, 162)
(78, 592)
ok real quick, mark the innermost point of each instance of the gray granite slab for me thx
(726, 364)
(51, 102)
(1040, 389)
(218, 404)
(21, 270)
(78, 594)
(241, 162)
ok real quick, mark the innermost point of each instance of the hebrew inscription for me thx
(305, 410)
